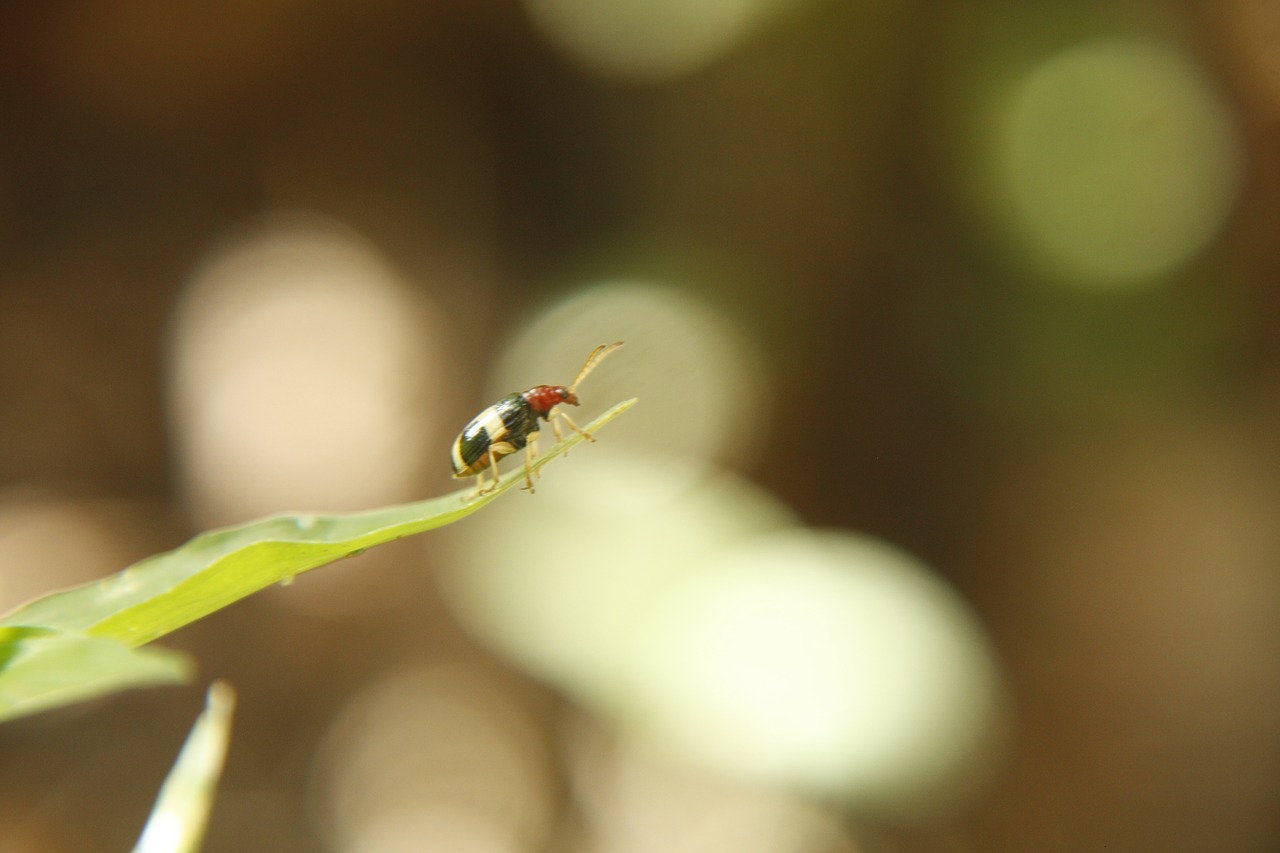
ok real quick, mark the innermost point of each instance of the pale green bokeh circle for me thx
(1120, 162)
(827, 661)
(650, 40)
(561, 581)
(695, 370)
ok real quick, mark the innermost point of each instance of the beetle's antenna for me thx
(597, 356)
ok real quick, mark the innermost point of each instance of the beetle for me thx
(512, 423)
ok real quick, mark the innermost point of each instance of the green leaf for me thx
(41, 669)
(165, 592)
(181, 812)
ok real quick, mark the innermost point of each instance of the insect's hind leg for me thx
(530, 454)
(493, 467)
(471, 496)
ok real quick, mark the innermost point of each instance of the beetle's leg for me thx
(530, 453)
(480, 489)
(479, 484)
(528, 467)
(493, 466)
(555, 417)
(496, 451)
(588, 436)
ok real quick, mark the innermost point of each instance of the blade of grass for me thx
(181, 813)
(41, 669)
(165, 592)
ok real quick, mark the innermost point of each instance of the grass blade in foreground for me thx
(42, 669)
(170, 590)
(181, 812)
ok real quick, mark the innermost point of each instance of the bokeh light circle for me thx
(650, 40)
(829, 661)
(301, 361)
(698, 377)
(1120, 161)
(448, 750)
(563, 581)
(627, 790)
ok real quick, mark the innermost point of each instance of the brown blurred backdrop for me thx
(1087, 453)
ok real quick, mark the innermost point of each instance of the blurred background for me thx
(949, 517)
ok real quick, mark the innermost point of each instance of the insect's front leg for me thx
(588, 436)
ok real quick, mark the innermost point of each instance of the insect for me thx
(512, 423)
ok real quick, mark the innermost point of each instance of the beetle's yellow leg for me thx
(529, 454)
(479, 485)
(496, 451)
(493, 466)
(579, 430)
(555, 416)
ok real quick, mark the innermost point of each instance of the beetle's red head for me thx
(544, 398)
